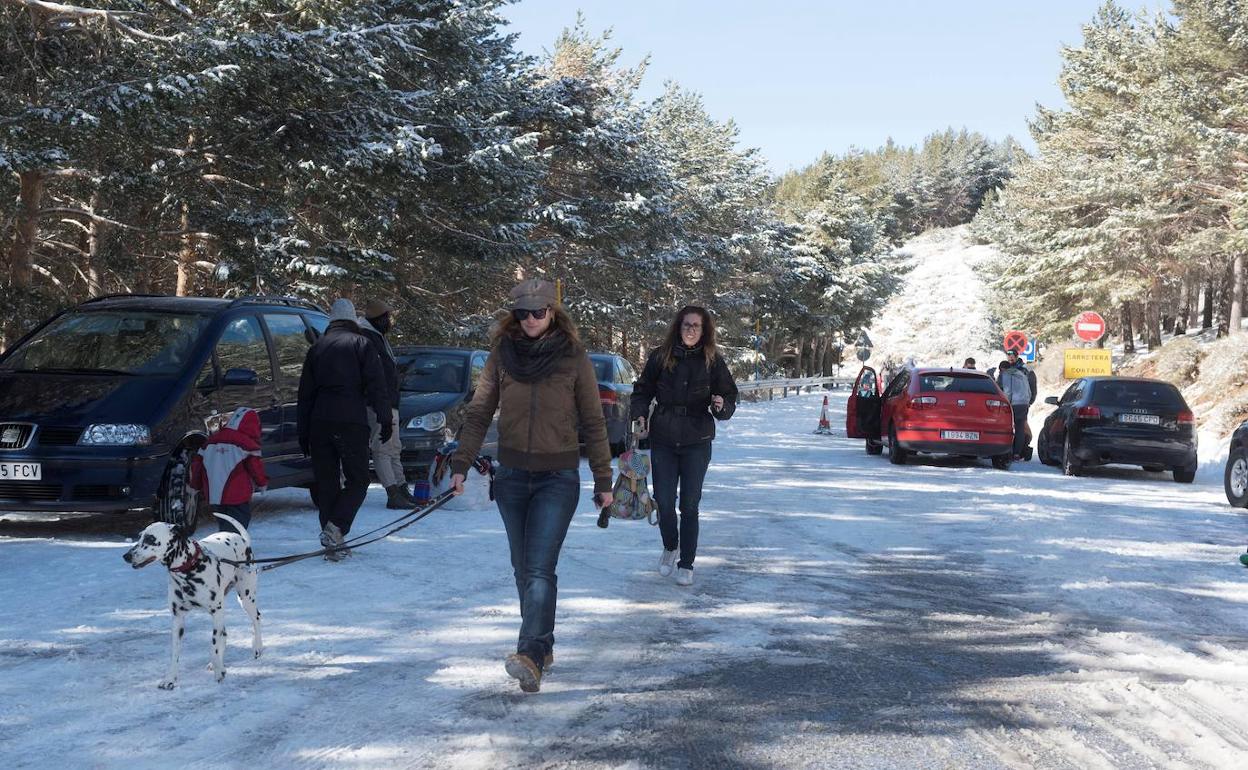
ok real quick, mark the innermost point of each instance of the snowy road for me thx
(847, 613)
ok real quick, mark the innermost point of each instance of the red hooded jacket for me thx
(229, 468)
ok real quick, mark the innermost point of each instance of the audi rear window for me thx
(1137, 394)
(956, 383)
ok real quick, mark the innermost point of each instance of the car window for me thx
(602, 369)
(866, 383)
(1133, 393)
(478, 366)
(290, 341)
(955, 383)
(133, 342)
(898, 384)
(432, 372)
(242, 346)
(628, 374)
(1071, 394)
(318, 322)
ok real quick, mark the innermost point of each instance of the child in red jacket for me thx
(228, 469)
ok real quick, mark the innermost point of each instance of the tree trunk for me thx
(20, 256)
(1196, 305)
(90, 266)
(1128, 330)
(1185, 300)
(1206, 321)
(798, 349)
(1236, 314)
(1152, 322)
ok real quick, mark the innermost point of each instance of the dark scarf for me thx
(529, 360)
(681, 350)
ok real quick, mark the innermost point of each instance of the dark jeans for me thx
(537, 508)
(1020, 427)
(240, 512)
(339, 449)
(684, 466)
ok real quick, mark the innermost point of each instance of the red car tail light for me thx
(997, 405)
(1088, 413)
(1186, 417)
(922, 402)
(608, 397)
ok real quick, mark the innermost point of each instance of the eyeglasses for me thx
(690, 327)
(523, 314)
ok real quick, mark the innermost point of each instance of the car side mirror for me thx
(1052, 400)
(240, 378)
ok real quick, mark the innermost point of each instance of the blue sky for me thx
(802, 77)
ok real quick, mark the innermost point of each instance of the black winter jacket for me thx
(342, 378)
(682, 397)
(389, 367)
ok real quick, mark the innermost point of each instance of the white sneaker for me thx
(684, 577)
(667, 562)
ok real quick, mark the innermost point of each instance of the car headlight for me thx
(431, 422)
(116, 435)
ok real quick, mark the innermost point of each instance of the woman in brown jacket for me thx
(542, 382)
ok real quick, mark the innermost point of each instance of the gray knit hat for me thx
(343, 309)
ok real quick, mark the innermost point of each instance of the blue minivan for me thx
(103, 405)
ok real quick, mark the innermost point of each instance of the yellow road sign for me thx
(1088, 362)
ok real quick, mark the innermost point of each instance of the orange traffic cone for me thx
(825, 427)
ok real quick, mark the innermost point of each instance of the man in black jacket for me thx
(387, 455)
(342, 379)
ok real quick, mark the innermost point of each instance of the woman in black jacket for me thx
(690, 385)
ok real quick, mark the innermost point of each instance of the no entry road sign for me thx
(1089, 326)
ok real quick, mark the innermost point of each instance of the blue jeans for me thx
(686, 466)
(537, 508)
(241, 513)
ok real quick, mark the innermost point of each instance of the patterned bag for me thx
(631, 496)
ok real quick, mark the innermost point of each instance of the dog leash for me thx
(355, 542)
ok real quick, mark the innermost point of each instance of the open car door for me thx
(862, 414)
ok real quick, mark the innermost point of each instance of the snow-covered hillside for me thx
(940, 316)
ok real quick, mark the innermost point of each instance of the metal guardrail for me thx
(794, 385)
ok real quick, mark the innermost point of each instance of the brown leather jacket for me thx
(537, 422)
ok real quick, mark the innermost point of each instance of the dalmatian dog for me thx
(199, 579)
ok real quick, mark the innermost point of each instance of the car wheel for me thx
(1070, 464)
(1002, 462)
(896, 455)
(1043, 451)
(1235, 478)
(176, 502)
(1185, 475)
(874, 447)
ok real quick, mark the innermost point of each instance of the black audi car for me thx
(436, 385)
(1235, 474)
(103, 405)
(1120, 420)
(615, 377)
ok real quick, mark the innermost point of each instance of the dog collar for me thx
(191, 563)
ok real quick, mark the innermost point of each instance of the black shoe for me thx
(395, 500)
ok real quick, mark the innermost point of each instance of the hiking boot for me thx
(667, 562)
(395, 500)
(406, 493)
(521, 666)
(684, 577)
(331, 538)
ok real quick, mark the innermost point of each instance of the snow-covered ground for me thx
(939, 317)
(847, 613)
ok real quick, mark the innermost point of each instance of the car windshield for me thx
(956, 383)
(1129, 394)
(433, 372)
(602, 369)
(110, 342)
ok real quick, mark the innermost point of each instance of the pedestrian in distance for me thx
(1019, 389)
(688, 382)
(229, 468)
(342, 379)
(968, 363)
(375, 324)
(540, 380)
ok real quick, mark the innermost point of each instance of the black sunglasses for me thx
(522, 314)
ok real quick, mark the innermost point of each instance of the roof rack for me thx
(273, 299)
(103, 297)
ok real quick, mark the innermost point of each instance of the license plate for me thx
(1140, 419)
(21, 472)
(960, 435)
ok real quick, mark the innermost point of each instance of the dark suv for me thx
(103, 405)
(435, 386)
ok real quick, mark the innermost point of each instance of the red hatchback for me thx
(932, 411)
